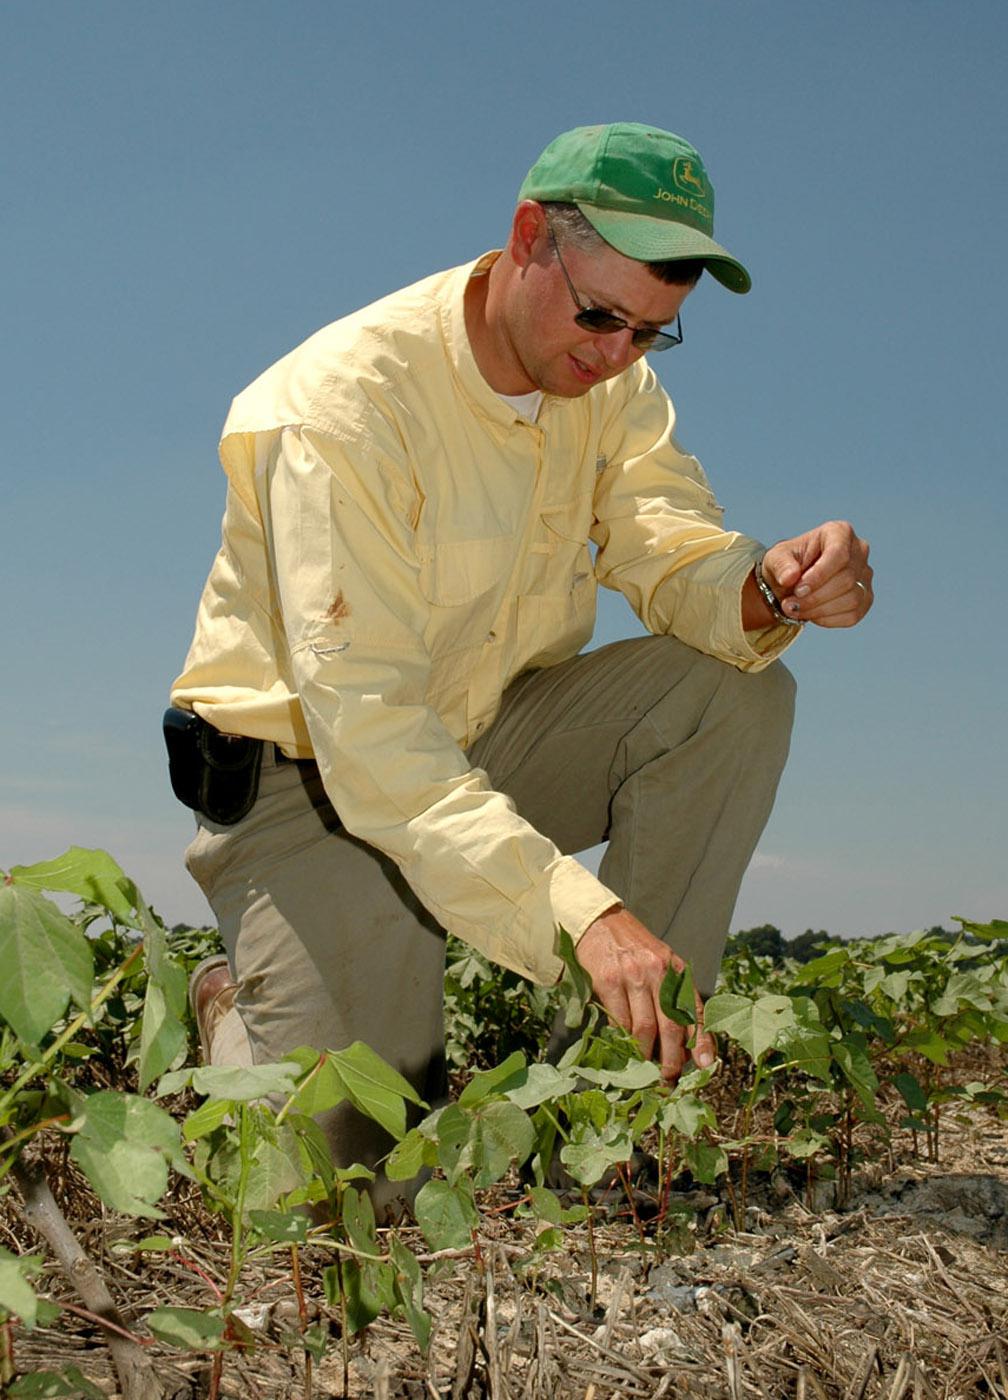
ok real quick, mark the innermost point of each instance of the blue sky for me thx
(191, 189)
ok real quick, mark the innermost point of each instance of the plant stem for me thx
(137, 1378)
(591, 1246)
(238, 1210)
(216, 1367)
(315, 1069)
(6, 1353)
(344, 1340)
(623, 1172)
(302, 1316)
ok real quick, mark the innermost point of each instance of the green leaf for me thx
(894, 985)
(705, 1160)
(856, 1068)
(806, 1143)
(928, 1043)
(187, 1328)
(963, 987)
(92, 874)
(408, 1286)
(992, 932)
(46, 960)
(825, 970)
(451, 1126)
(500, 1133)
(375, 1088)
(39, 1385)
(546, 1205)
(16, 1294)
(148, 1244)
(592, 1154)
(359, 1221)
(409, 1157)
(320, 1085)
(677, 996)
(125, 1145)
(446, 1214)
(576, 985)
(509, 1074)
(688, 1115)
(206, 1119)
(807, 1048)
(911, 1092)
(316, 1155)
(239, 1084)
(755, 1025)
(275, 1171)
(282, 1226)
(548, 1239)
(637, 1074)
(543, 1083)
(163, 1031)
(174, 1081)
(362, 1301)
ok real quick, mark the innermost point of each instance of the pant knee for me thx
(774, 694)
(761, 701)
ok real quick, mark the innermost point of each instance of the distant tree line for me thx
(768, 942)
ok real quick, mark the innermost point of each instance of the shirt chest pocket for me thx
(456, 572)
(565, 525)
(560, 556)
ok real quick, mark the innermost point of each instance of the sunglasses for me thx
(603, 322)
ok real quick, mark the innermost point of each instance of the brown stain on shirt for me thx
(338, 609)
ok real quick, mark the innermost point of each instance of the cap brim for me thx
(649, 239)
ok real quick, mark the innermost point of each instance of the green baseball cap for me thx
(643, 189)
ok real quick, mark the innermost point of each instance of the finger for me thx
(644, 1022)
(842, 554)
(783, 566)
(833, 607)
(704, 1049)
(672, 1038)
(704, 1044)
(616, 1006)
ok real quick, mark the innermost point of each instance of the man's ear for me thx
(528, 233)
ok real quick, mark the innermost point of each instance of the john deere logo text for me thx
(690, 202)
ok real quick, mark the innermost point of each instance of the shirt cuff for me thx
(577, 899)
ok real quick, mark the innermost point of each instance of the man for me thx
(397, 611)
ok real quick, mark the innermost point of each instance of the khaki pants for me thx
(670, 755)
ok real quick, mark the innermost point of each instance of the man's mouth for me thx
(584, 372)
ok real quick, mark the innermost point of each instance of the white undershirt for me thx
(525, 405)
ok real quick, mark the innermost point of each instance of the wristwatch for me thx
(771, 597)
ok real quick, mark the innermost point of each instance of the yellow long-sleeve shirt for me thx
(399, 544)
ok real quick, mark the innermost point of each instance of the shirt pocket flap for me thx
(457, 571)
(572, 520)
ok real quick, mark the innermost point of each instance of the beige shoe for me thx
(211, 996)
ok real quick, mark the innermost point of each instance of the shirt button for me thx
(491, 636)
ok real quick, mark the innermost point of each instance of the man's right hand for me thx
(627, 965)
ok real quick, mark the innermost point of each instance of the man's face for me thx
(556, 354)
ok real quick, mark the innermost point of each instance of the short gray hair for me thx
(576, 230)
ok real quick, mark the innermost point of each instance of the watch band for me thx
(771, 598)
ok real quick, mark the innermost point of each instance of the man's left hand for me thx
(822, 576)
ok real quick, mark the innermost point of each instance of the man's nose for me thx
(618, 349)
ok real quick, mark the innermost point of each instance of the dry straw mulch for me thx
(902, 1297)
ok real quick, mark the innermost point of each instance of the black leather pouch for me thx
(213, 773)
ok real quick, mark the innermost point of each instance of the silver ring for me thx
(859, 584)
